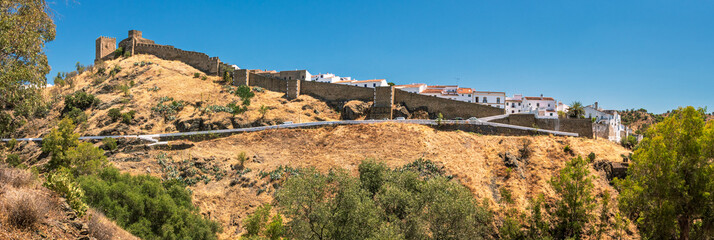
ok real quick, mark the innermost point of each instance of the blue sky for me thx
(656, 55)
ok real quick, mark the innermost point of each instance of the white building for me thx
(609, 121)
(453, 92)
(329, 78)
(562, 107)
(412, 88)
(543, 107)
(514, 104)
(493, 99)
(373, 83)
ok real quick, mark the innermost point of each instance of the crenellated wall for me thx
(198, 60)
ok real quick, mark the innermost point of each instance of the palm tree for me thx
(576, 110)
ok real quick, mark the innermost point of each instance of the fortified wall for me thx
(384, 98)
(136, 44)
(583, 127)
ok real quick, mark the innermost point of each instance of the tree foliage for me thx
(147, 207)
(380, 204)
(669, 184)
(25, 27)
(573, 211)
(576, 110)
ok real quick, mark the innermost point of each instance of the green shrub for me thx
(127, 117)
(204, 77)
(109, 144)
(147, 207)
(119, 52)
(506, 195)
(13, 160)
(629, 142)
(80, 100)
(77, 115)
(127, 54)
(114, 114)
(568, 150)
(62, 182)
(196, 75)
(591, 157)
(255, 222)
(12, 144)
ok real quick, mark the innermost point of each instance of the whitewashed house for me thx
(412, 88)
(609, 122)
(514, 104)
(373, 83)
(542, 107)
(453, 92)
(493, 99)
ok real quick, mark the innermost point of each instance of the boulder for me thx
(420, 114)
(355, 109)
(401, 111)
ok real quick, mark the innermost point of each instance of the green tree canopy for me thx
(576, 110)
(669, 184)
(25, 27)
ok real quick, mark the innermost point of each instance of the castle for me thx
(386, 100)
(106, 49)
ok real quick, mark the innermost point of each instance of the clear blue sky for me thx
(652, 54)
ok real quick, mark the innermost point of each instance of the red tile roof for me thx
(413, 85)
(431, 91)
(465, 90)
(540, 98)
(366, 81)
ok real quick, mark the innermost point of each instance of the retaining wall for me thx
(272, 84)
(583, 127)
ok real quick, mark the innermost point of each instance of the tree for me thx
(263, 110)
(576, 110)
(25, 27)
(58, 142)
(668, 190)
(573, 210)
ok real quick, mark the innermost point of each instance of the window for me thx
(374, 84)
(469, 95)
(513, 111)
(484, 100)
(537, 104)
(365, 85)
(476, 99)
(513, 104)
(498, 100)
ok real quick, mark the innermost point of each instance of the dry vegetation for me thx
(472, 159)
(172, 79)
(30, 211)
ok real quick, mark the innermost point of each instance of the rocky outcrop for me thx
(355, 110)
(400, 111)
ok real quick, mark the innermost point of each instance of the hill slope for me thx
(472, 159)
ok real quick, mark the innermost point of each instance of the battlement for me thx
(136, 44)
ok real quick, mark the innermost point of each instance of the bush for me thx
(12, 144)
(255, 222)
(80, 100)
(114, 114)
(77, 115)
(591, 157)
(629, 142)
(127, 117)
(204, 77)
(147, 207)
(62, 182)
(13, 160)
(196, 75)
(16, 177)
(525, 150)
(110, 144)
(119, 52)
(24, 207)
(568, 150)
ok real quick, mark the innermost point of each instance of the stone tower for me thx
(105, 48)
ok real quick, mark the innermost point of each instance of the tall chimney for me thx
(596, 108)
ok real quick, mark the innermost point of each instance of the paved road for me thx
(154, 138)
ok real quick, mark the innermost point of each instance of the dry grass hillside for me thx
(151, 79)
(30, 211)
(473, 160)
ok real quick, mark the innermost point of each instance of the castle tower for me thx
(134, 34)
(105, 47)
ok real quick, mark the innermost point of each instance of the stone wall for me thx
(198, 60)
(583, 127)
(447, 107)
(293, 88)
(383, 102)
(105, 47)
(271, 84)
(336, 92)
